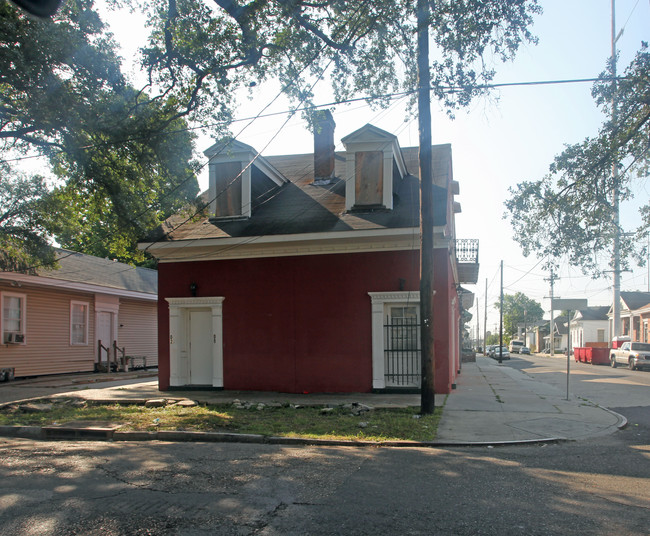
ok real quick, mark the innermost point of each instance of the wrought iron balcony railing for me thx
(467, 250)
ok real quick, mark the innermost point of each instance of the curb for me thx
(622, 419)
(69, 433)
(72, 433)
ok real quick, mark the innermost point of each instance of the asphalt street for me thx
(100, 488)
(599, 486)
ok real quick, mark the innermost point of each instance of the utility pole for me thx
(616, 307)
(478, 328)
(552, 323)
(501, 319)
(525, 329)
(427, 391)
(485, 319)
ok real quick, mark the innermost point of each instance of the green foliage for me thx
(121, 158)
(519, 309)
(201, 55)
(23, 239)
(492, 338)
(570, 211)
(122, 162)
(135, 185)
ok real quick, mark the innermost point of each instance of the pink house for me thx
(53, 322)
(302, 274)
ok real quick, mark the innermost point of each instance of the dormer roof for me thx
(374, 169)
(231, 150)
(240, 179)
(372, 136)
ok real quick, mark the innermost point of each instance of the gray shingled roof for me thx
(301, 207)
(598, 312)
(79, 268)
(561, 327)
(635, 300)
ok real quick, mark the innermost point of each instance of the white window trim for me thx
(379, 300)
(351, 173)
(23, 314)
(245, 180)
(179, 338)
(87, 306)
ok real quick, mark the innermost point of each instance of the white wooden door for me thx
(105, 328)
(201, 366)
(104, 333)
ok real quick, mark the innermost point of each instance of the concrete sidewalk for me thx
(493, 403)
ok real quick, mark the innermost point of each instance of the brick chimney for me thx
(323, 147)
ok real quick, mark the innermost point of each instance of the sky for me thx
(497, 142)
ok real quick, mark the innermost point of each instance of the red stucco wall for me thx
(301, 324)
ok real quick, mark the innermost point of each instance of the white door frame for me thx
(110, 305)
(379, 300)
(179, 338)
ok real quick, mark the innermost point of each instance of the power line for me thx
(528, 272)
(248, 240)
(367, 98)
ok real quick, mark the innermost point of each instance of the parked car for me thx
(516, 346)
(635, 355)
(524, 350)
(505, 354)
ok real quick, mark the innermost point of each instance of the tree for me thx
(570, 211)
(23, 239)
(492, 339)
(65, 97)
(519, 309)
(201, 54)
(134, 189)
(120, 160)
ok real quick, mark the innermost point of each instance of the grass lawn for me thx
(287, 420)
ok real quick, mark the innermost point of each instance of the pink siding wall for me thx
(47, 349)
(138, 329)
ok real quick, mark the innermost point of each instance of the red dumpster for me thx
(600, 356)
(588, 354)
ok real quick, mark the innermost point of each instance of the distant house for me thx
(590, 325)
(303, 275)
(560, 335)
(534, 335)
(537, 337)
(52, 322)
(635, 316)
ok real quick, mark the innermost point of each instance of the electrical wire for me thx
(367, 98)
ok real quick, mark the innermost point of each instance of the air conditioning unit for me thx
(14, 338)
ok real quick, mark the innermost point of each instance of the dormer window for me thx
(240, 179)
(227, 190)
(374, 168)
(368, 178)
